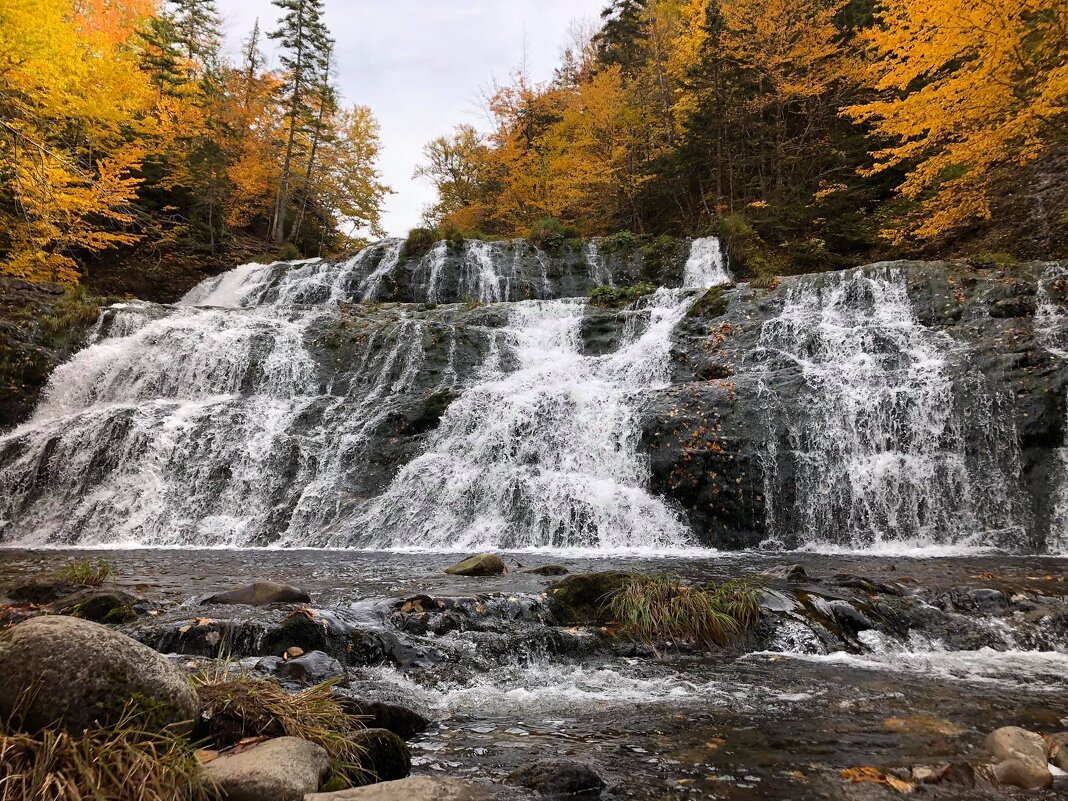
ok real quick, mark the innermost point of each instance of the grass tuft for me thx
(124, 762)
(661, 607)
(237, 706)
(85, 572)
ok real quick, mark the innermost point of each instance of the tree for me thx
(968, 90)
(198, 31)
(456, 166)
(305, 48)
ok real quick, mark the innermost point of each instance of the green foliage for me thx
(658, 253)
(288, 252)
(653, 607)
(621, 242)
(418, 243)
(85, 572)
(549, 233)
(452, 234)
(616, 297)
(238, 706)
(130, 761)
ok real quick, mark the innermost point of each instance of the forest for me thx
(809, 134)
(125, 133)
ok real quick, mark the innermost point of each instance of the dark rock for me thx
(99, 606)
(282, 769)
(312, 667)
(549, 570)
(386, 756)
(849, 617)
(580, 597)
(486, 564)
(260, 594)
(788, 572)
(403, 722)
(41, 590)
(987, 600)
(80, 672)
(558, 777)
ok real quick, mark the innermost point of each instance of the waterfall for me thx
(874, 446)
(542, 450)
(370, 285)
(1051, 329)
(705, 266)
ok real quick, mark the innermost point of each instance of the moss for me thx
(549, 233)
(616, 297)
(711, 304)
(581, 598)
(621, 242)
(658, 253)
(989, 260)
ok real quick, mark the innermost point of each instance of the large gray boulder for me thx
(282, 769)
(71, 672)
(419, 788)
(260, 593)
(1021, 758)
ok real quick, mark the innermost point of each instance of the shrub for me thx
(418, 243)
(85, 572)
(621, 242)
(452, 234)
(660, 607)
(549, 233)
(125, 762)
(238, 706)
(616, 297)
(288, 252)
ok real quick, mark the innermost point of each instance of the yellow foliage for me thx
(967, 87)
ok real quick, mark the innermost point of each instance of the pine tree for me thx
(305, 54)
(198, 28)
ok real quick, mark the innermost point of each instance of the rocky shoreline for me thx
(275, 635)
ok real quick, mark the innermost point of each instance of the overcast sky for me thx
(420, 65)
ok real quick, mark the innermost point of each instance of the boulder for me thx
(549, 570)
(1012, 742)
(77, 673)
(483, 564)
(788, 572)
(259, 594)
(403, 722)
(416, 788)
(282, 769)
(313, 667)
(99, 606)
(1058, 750)
(579, 598)
(386, 756)
(1022, 773)
(558, 777)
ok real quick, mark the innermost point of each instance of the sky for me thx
(421, 66)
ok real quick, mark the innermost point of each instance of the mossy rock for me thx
(616, 297)
(581, 598)
(99, 606)
(711, 304)
(483, 564)
(385, 757)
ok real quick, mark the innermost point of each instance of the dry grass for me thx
(237, 706)
(657, 607)
(85, 572)
(124, 762)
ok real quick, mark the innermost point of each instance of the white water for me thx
(706, 265)
(542, 452)
(1051, 328)
(874, 441)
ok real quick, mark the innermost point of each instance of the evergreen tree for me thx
(198, 27)
(305, 55)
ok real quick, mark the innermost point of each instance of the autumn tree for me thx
(456, 166)
(969, 89)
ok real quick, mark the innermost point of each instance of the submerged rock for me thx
(77, 673)
(485, 564)
(282, 769)
(549, 570)
(558, 777)
(259, 594)
(788, 572)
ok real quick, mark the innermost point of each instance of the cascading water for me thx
(1051, 328)
(706, 266)
(543, 452)
(873, 446)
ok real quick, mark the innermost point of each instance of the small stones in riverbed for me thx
(259, 594)
(484, 564)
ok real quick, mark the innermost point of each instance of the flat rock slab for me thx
(282, 769)
(424, 788)
(259, 594)
(77, 673)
